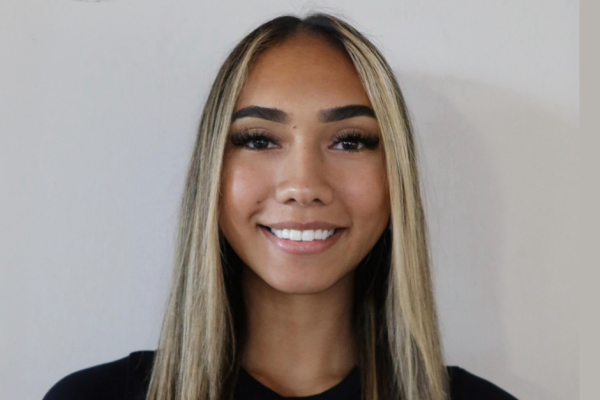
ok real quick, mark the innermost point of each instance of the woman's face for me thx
(303, 160)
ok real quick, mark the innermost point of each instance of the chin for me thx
(305, 283)
(300, 288)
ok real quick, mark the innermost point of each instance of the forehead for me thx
(303, 72)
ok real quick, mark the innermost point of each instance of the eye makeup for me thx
(350, 140)
(253, 139)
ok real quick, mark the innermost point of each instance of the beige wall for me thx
(98, 107)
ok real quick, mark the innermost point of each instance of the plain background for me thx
(99, 102)
(589, 143)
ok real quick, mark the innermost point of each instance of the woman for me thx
(302, 267)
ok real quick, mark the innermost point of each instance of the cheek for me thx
(244, 187)
(364, 191)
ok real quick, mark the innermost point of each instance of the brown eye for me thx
(253, 140)
(349, 145)
(355, 141)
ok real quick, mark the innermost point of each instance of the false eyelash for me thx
(245, 136)
(369, 140)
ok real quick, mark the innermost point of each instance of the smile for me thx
(302, 242)
(304, 236)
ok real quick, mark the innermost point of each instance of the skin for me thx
(300, 340)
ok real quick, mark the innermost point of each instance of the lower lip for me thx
(300, 247)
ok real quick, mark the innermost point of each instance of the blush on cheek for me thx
(243, 191)
(367, 188)
(369, 201)
(245, 187)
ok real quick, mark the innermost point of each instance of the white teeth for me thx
(304, 236)
(308, 236)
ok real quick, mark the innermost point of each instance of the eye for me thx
(355, 141)
(253, 140)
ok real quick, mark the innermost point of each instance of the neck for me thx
(298, 344)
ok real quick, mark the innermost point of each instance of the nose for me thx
(303, 177)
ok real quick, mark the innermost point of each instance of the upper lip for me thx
(302, 226)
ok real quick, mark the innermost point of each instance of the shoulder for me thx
(467, 386)
(126, 378)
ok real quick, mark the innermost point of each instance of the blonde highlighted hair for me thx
(399, 350)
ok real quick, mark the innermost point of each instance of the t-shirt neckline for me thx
(250, 388)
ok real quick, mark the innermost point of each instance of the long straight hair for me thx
(398, 342)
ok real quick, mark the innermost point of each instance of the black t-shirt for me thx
(127, 379)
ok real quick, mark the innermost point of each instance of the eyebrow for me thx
(329, 115)
(270, 114)
(341, 113)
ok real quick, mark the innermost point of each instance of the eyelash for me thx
(244, 137)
